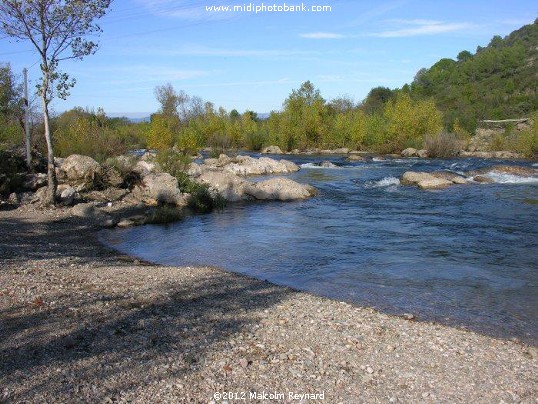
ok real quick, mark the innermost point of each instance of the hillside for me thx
(497, 82)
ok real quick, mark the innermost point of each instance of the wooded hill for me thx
(497, 82)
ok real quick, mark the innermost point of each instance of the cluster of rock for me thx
(133, 181)
(444, 179)
(248, 166)
(435, 180)
(225, 176)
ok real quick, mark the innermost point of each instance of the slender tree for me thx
(58, 30)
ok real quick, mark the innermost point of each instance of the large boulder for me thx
(422, 153)
(213, 163)
(33, 182)
(424, 180)
(144, 167)
(92, 213)
(228, 185)
(450, 176)
(271, 150)
(194, 170)
(409, 152)
(282, 189)
(160, 188)
(246, 165)
(81, 172)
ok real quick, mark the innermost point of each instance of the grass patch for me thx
(443, 145)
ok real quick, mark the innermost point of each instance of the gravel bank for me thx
(81, 323)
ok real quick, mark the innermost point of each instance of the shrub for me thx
(442, 145)
(255, 140)
(219, 143)
(162, 131)
(11, 134)
(173, 162)
(202, 200)
(123, 164)
(165, 214)
(82, 132)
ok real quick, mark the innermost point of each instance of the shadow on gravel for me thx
(103, 344)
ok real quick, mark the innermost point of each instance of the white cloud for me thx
(322, 35)
(421, 27)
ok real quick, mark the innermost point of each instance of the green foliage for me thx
(523, 142)
(497, 82)
(377, 98)
(409, 121)
(303, 117)
(256, 139)
(202, 200)
(11, 133)
(165, 214)
(172, 162)
(162, 131)
(11, 108)
(93, 134)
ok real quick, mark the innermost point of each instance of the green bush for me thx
(11, 134)
(255, 140)
(173, 162)
(202, 200)
(165, 214)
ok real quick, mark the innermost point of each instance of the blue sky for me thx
(245, 60)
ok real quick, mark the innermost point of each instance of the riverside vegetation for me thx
(439, 110)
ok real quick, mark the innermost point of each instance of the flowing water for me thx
(466, 255)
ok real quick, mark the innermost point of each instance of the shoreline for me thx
(83, 321)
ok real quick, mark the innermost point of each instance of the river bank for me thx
(84, 323)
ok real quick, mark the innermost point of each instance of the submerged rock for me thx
(355, 157)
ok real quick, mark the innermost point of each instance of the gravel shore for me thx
(82, 323)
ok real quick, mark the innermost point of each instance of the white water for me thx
(385, 182)
(500, 178)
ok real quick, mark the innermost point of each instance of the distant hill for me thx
(497, 82)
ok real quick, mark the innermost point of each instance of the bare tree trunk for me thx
(27, 135)
(51, 172)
